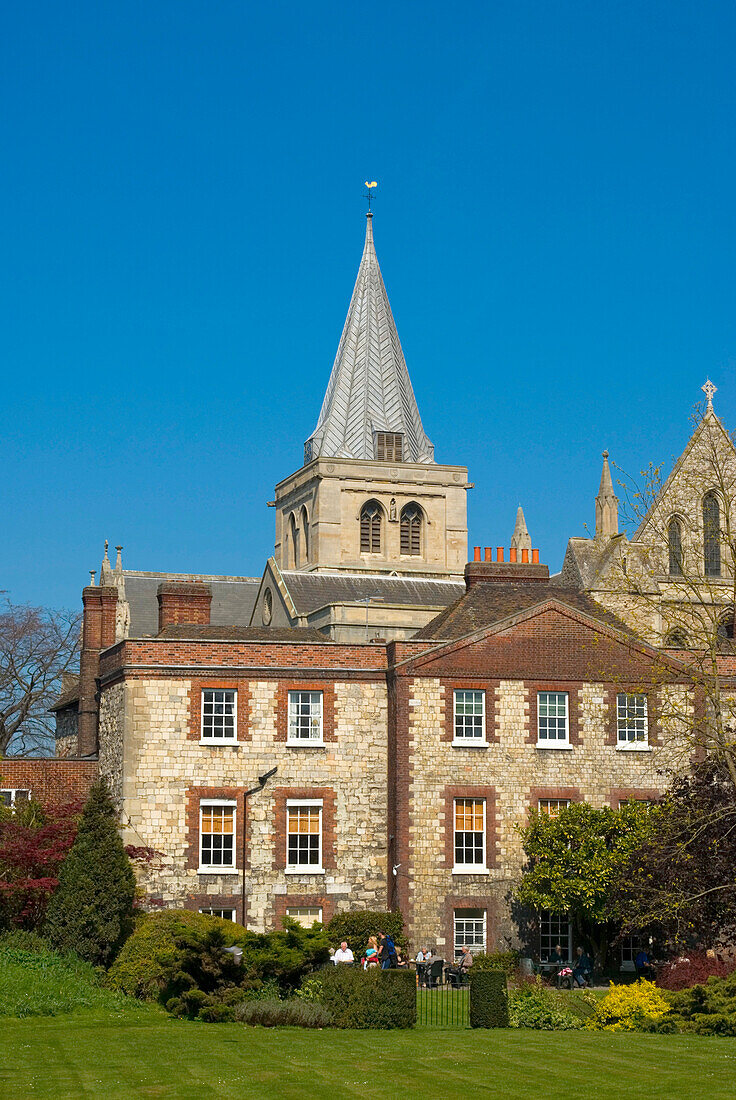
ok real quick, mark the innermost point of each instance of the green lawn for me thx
(144, 1053)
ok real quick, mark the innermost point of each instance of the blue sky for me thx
(183, 220)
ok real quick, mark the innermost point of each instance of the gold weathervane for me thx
(369, 192)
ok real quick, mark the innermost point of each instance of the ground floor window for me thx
(13, 796)
(552, 806)
(470, 930)
(630, 948)
(305, 915)
(554, 928)
(225, 914)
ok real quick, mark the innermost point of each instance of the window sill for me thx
(554, 748)
(304, 870)
(218, 871)
(218, 741)
(305, 744)
(467, 743)
(633, 748)
(470, 871)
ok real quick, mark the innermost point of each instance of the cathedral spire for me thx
(606, 504)
(369, 410)
(521, 539)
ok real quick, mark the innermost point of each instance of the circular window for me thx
(267, 608)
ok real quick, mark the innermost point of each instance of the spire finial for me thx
(709, 389)
(92, 573)
(369, 194)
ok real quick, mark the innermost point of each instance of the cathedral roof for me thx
(369, 389)
(310, 591)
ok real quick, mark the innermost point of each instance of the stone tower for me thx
(370, 497)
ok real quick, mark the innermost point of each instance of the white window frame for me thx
(625, 744)
(305, 742)
(203, 740)
(469, 868)
(14, 792)
(553, 742)
(290, 910)
(305, 868)
(219, 869)
(219, 911)
(466, 740)
(563, 805)
(630, 948)
(547, 915)
(476, 947)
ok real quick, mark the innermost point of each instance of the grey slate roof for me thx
(233, 599)
(369, 389)
(310, 591)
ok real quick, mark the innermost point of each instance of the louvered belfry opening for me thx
(411, 530)
(390, 446)
(371, 518)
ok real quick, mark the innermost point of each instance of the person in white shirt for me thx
(343, 954)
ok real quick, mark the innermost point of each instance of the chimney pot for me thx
(499, 553)
(476, 553)
(512, 554)
(488, 556)
(535, 557)
(524, 557)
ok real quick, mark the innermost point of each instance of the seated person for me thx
(557, 958)
(644, 966)
(343, 954)
(582, 968)
(456, 973)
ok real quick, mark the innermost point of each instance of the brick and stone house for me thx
(366, 724)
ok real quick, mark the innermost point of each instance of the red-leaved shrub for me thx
(694, 969)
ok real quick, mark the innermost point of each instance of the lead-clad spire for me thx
(369, 391)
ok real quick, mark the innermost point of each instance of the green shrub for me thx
(536, 1006)
(708, 1009)
(632, 1007)
(355, 927)
(91, 912)
(489, 1002)
(293, 1012)
(36, 980)
(369, 998)
(507, 961)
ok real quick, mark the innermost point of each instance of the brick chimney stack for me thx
(506, 572)
(183, 602)
(98, 632)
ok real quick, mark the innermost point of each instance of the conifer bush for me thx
(371, 998)
(489, 1001)
(91, 912)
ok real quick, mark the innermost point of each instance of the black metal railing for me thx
(443, 1005)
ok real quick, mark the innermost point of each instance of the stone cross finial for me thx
(709, 389)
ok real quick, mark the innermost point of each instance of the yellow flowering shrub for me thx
(629, 1007)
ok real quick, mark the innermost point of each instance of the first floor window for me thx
(470, 834)
(645, 802)
(552, 806)
(554, 929)
(305, 716)
(552, 716)
(305, 915)
(224, 914)
(631, 718)
(304, 836)
(470, 930)
(217, 834)
(218, 715)
(14, 796)
(470, 716)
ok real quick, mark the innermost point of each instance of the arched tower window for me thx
(725, 628)
(412, 522)
(305, 531)
(711, 535)
(371, 522)
(674, 541)
(294, 532)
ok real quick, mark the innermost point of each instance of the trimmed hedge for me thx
(355, 927)
(508, 961)
(369, 998)
(290, 1013)
(489, 1000)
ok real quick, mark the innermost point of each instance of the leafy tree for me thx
(574, 861)
(91, 912)
(680, 880)
(33, 845)
(37, 646)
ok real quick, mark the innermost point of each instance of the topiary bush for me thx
(489, 1002)
(91, 912)
(695, 969)
(293, 1012)
(355, 927)
(634, 1007)
(369, 998)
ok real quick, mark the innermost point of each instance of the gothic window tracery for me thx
(294, 532)
(674, 541)
(711, 535)
(305, 530)
(411, 530)
(371, 523)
